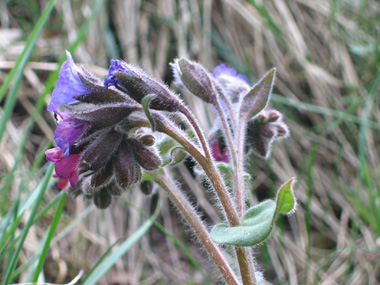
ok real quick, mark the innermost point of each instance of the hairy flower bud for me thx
(102, 200)
(137, 84)
(263, 130)
(144, 156)
(126, 169)
(100, 151)
(147, 187)
(103, 116)
(103, 175)
(147, 140)
(196, 79)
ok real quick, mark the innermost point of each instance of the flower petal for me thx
(68, 131)
(66, 168)
(226, 70)
(54, 154)
(68, 85)
(217, 154)
(111, 79)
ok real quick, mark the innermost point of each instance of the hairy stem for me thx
(186, 112)
(245, 263)
(239, 173)
(247, 270)
(195, 222)
(238, 178)
(228, 104)
(207, 165)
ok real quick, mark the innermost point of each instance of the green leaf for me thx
(285, 198)
(255, 227)
(257, 223)
(167, 148)
(257, 98)
(145, 103)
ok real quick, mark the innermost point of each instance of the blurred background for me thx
(327, 54)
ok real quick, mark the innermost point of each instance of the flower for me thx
(115, 158)
(218, 154)
(224, 71)
(68, 131)
(111, 79)
(68, 85)
(65, 167)
(231, 83)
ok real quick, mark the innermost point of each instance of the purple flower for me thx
(218, 154)
(224, 70)
(65, 167)
(111, 79)
(68, 85)
(68, 131)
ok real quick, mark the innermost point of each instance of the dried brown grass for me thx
(310, 43)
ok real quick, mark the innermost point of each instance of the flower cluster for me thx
(101, 152)
(98, 152)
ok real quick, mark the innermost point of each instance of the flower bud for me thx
(102, 116)
(196, 79)
(126, 169)
(144, 156)
(99, 152)
(263, 130)
(114, 189)
(102, 176)
(98, 94)
(102, 199)
(273, 115)
(137, 84)
(147, 187)
(147, 140)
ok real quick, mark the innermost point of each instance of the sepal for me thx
(145, 156)
(257, 98)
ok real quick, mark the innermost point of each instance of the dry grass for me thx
(327, 56)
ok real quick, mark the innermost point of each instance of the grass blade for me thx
(12, 264)
(49, 237)
(124, 247)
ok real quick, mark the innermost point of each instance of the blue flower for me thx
(224, 70)
(111, 79)
(68, 85)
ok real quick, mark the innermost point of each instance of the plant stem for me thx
(228, 104)
(245, 263)
(195, 222)
(236, 161)
(247, 270)
(187, 113)
(239, 173)
(207, 165)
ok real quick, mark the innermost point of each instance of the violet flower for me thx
(221, 156)
(111, 79)
(68, 131)
(228, 73)
(232, 83)
(65, 167)
(68, 85)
